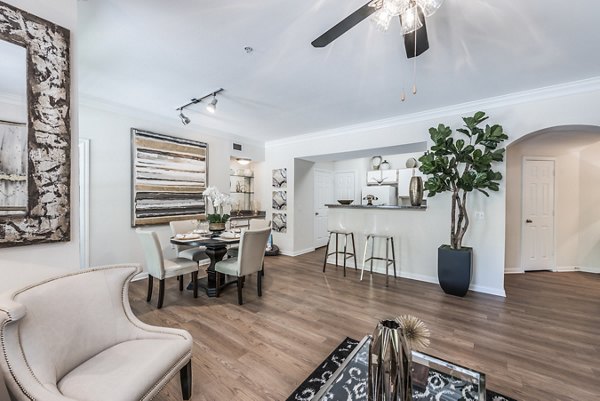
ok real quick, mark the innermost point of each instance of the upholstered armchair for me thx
(249, 260)
(75, 337)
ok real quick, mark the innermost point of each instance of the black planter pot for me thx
(455, 269)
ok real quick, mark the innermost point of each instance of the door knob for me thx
(528, 221)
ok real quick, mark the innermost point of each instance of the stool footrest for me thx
(389, 261)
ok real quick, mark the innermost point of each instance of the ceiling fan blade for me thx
(345, 25)
(422, 43)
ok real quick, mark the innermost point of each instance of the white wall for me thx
(589, 219)
(23, 264)
(519, 114)
(304, 189)
(112, 239)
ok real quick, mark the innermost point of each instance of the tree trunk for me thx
(465, 224)
(453, 220)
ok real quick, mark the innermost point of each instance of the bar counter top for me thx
(339, 206)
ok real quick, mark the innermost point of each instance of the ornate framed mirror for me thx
(35, 129)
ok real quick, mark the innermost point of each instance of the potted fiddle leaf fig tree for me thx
(461, 164)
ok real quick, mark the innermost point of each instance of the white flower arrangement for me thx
(218, 200)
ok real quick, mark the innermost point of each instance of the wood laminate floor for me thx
(541, 342)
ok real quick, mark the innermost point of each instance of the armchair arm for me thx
(20, 386)
(10, 311)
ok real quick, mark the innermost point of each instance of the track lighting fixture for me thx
(184, 119)
(211, 107)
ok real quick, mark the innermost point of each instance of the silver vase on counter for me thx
(389, 364)
(415, 191)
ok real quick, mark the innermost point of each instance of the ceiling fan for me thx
(412, 15)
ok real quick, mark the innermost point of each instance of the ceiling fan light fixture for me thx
(381, 20)
(410, 20)
(429, 6)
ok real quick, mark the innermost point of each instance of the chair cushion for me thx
(126, 371)
(229, 267)
(179, 266)
(195, 254)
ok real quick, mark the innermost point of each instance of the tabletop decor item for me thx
(216, 219)
(415, 191)
(390, 357)
(376, 162)
(461, 166)
(411, 162)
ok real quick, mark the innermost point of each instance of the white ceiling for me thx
(155, 55)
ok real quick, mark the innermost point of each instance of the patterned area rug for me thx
(436, 380)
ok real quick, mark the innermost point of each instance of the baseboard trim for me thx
(424, 278)
(297, 253)
(513, 270)
(588, 269)
(564, 269)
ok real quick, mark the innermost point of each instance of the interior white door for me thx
(323, 196)
(538, 215)
(344, 183)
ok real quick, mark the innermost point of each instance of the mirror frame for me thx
(48, 130)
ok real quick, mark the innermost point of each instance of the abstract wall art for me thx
(279, 222)
(280, 178)
(279, 200)
(169, 175)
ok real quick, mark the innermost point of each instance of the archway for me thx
(573, 153)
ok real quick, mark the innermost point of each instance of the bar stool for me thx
(338, 228)
(379, 231)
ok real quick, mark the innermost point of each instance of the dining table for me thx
(216, 249)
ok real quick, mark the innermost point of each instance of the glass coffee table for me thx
(432, 379)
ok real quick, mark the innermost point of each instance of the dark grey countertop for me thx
(246, 215)
(336, 205)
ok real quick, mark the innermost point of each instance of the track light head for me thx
(212, 106)
(184, 119)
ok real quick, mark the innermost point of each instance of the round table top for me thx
(207, 242)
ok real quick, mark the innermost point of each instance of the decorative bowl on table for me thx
(345, 201)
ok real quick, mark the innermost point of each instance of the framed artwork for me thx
(41, 213)
(280, 178)
(169, 175)
(279, 200)
(279, 223)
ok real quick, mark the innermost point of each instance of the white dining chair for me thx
(185, 251)
(160, 268)
(249, 260)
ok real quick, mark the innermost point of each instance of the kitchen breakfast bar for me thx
(384, 236)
